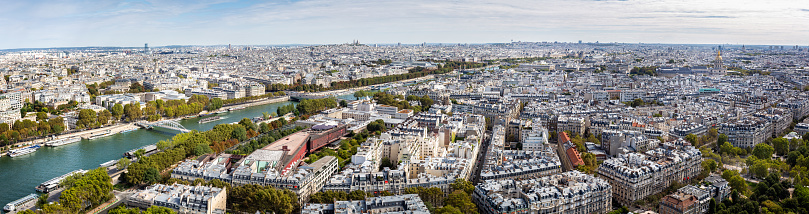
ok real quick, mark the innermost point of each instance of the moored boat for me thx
(21, 204)
(100, 135)
(210, 119)
(23, 151)
(53, 183)
(62, 142)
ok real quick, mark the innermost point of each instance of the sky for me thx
(131, 23)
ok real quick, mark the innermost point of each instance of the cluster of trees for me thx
(402, 102)
(413, 73)
(744, 72)
(798, 162)
(728, 149)
(735, 181)
(312, 106)
(283, 110)
(769, 196)
(361, 93)
(761, 164)
(416, 72)
(136, 87)
(88, 118)
(590, 163)
(266, 199)
(121, 209)
(27, 128)
(383, 61)
(348, 147)
(215, 104)
(38, 107)
(386, 162)
(328, 197)
(83, 193)
(263, 140)
(376, 126)
(459, 201)
(251, 98)
(651, 71)
(711, 136)
(93, 89)
(147, 169)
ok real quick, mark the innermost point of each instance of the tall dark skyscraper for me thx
(146, 48)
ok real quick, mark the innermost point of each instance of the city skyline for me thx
(49, 24)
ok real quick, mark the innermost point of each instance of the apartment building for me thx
(575, 125)
(206, 92)
(261, 168)
(424, 154)
(517, 164)
(181, 198)
(568, 192)
(397, 204)
(567, 152)
(687, 200)
(10, 105)
(254, 89)
(746, 133)
(634, 176)
(685, 129)
(534, 139)
(802, 128)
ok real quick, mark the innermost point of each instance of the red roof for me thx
(563, 137)
(574, 157)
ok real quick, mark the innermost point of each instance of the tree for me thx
(132, 111)
(709, 165)
(104, 116)
(735, 181)
(42, 116)
(462, 201)
(117, 111)
(136, 87)
(359, 94)
(215, 104)
(462, 184)
(426, 102)
(760, 168)
(248, 124)
(691, 138)
(357, 195)
(159, 210)
(721, 139)
(87, 118)
(781, 146)
(151, 176)
(763, 151)
(123, 210)
(343, 103)
(448, 210)
(385, 163)
(123, 163)
(377, 125)
(239, 133)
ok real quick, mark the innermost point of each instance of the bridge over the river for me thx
(166, 124)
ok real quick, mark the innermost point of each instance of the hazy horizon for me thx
(78, 23)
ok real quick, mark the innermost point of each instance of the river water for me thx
(20, 175)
